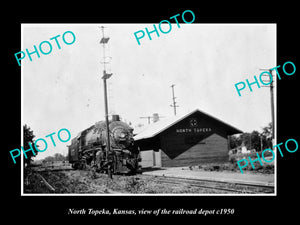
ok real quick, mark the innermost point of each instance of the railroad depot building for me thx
(191, 139)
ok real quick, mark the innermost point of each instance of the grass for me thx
(80, 181)
(266, 168)
(87, 181)
(58, 180)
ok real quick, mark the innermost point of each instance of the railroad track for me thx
(216, 185)
(41, 168)
(210, 186)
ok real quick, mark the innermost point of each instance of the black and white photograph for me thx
(126, 112)
(185, 110)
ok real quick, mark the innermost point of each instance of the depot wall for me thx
(188, 144)
(196, 140)
(213, 149)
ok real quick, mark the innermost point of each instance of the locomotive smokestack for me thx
(115, 118)
(155, 117)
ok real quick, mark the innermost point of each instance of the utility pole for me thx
(174, 102)
(261, 144)
(104, 41)
(272, 99)
(250, 142)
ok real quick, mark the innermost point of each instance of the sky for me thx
(64, 89)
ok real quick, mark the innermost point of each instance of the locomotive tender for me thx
(89, 148)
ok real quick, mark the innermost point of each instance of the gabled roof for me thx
(162, 125)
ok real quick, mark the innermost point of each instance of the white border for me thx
(74, 194)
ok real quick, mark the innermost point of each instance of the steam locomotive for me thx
(89, 147)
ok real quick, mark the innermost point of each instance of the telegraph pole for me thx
(104, 41)
(272, 100)
(174, 102)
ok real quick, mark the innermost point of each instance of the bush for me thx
(265, 168)
(233, 166)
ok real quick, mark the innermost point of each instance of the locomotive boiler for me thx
(88, 148)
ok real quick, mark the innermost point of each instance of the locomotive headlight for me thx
(122, 135)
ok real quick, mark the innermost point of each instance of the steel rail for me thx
(204, 183)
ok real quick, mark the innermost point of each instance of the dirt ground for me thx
(84, 181)
(87, 182)
(221, 175)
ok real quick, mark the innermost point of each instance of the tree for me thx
(267, 134)
(55, 157)
(253, 140)
(48, 159)
(267, 131)
(28, 138)
(59, 157)
(235, 141)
